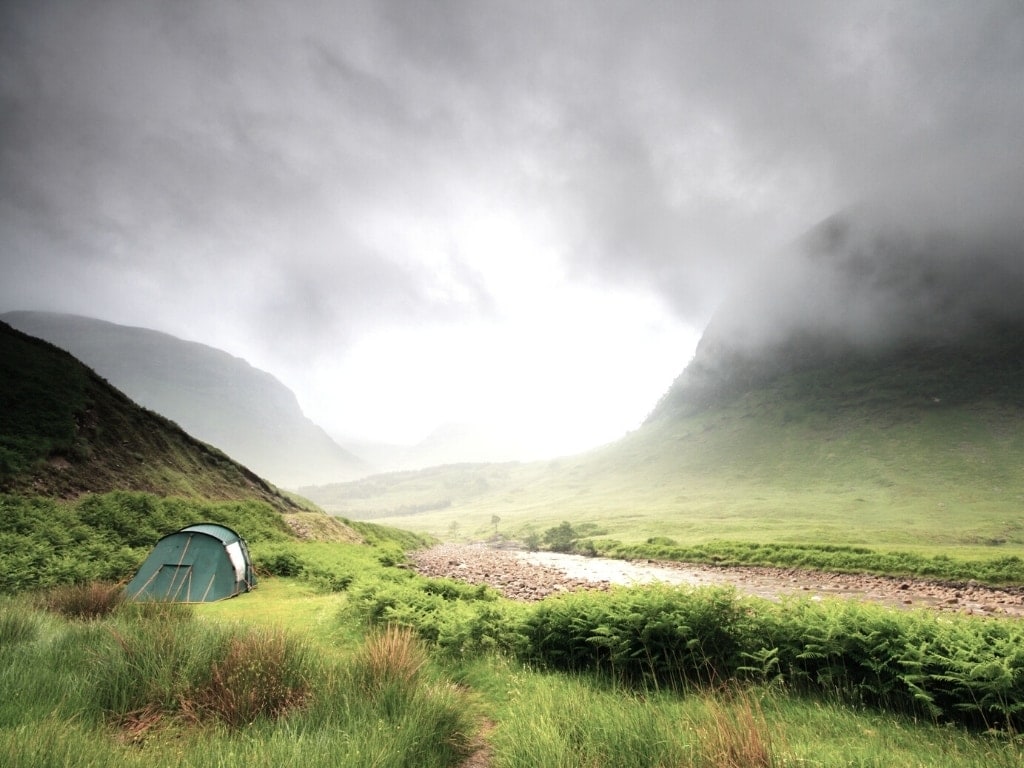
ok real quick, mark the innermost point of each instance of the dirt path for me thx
(524, 575)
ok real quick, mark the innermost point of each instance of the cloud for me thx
(283, 179)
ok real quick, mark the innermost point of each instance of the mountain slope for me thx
(862, 289)
(921, 450)
(220, 399)
(64, 431)
(870, 391)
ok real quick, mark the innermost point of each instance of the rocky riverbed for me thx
(523, 575)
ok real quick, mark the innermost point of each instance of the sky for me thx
(519, 215)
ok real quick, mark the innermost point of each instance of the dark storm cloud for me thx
(252, 155)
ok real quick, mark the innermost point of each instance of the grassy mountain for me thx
(870, 393)
(64, 432)
(908, 450)
(221, 399)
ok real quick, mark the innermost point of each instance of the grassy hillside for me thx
(920, 450)
(64, 432)
(218, 398)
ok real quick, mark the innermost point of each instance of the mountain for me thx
(65, 431)
(216, 397)
(862, 289)
(867, 386)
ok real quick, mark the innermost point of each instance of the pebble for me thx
(520, 580)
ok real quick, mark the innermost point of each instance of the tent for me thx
(198, 564)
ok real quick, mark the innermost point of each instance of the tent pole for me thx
(208, 587)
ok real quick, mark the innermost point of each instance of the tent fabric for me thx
(198, 564)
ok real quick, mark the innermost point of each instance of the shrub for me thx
(164, 667)
(390, 555)
(560, 538)
(82, 601)
(328, 580)
(281, 562)
(456, 618)
(657, 636)
(259, 674)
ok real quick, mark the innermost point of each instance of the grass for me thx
(768, 467)
(921, 453)
(288, 675)
(64, 431)
(178, 688)
(559, 721)
(323, 667)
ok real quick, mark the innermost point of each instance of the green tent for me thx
(198, 564)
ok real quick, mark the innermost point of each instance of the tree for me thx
(560, 538)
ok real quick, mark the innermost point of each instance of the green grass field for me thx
(114, 691)
(948, 483)
(923, 452)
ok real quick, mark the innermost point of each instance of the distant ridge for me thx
(221, 399)
(65, 432)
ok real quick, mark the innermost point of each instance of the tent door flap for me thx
(172, 582)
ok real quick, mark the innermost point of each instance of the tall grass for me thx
(735, 734)
(151, 684)
(18, 623)
(82, 601)
(565, 722)
(574, 721)
(392, 657)
(958, 669)
(165, 669)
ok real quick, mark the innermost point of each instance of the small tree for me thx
(531, 539)
(560, 538)
(494, 521)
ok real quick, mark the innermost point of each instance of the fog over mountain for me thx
(503, 211)
(872, 284)
(872, 278)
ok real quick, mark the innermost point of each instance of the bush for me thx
(457, 619)
(560, 538)
(280, 562)
(45, 543)
(82, 601)
(328, 580)
(390, 555)
(656, 636)
(157, 669)
(955, 669)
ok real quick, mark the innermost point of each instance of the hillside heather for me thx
(65, 432)
(214, 396)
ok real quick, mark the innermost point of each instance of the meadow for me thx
(933, 493)
(920, 453)
(353, 660)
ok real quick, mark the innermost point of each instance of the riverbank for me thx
(523, 575)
